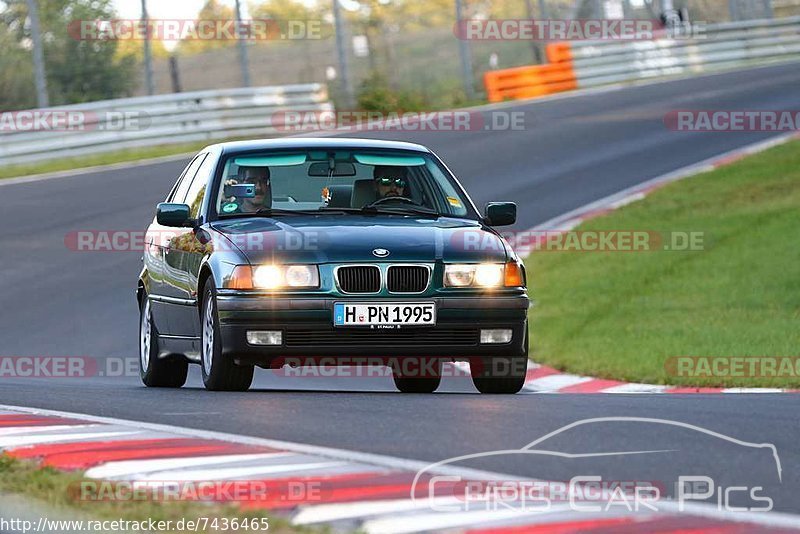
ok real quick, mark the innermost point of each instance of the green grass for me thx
(106, 158)
(622, 315)
(54, 491)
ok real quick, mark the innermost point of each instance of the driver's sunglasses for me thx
(399, 182)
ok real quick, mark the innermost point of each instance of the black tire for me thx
(421, 382)
(219, 373)
(157, 372)
(501, 375)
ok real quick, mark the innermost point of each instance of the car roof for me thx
(314, 143)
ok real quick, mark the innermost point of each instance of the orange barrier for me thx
(536, 80)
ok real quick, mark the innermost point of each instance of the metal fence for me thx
(150, 121)
(721, 46)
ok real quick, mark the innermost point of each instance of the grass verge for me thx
(105, 158)
(630, 315)
(55, 491)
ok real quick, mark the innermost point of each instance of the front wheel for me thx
(219, 373)
(157, 372)
(500, 374)
(423, 376)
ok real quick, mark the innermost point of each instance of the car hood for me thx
(353, 238)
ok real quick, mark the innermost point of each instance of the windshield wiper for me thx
(269, 212)
(404, 210)
(368, 210)
(375, 210)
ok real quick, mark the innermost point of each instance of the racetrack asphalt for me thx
(59, 302)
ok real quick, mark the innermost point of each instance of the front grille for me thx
(407, 278)
(359, 279)
(440, 337)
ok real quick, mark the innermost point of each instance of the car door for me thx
(156, 243)
(185, 256)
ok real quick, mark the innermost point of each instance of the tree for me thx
(283, 10)
(16, 74)
(77, 70)
(212, 10)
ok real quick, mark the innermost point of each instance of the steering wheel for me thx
(387, 199)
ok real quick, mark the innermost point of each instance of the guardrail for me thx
(535, 80)
(720, 46)
(153, 120)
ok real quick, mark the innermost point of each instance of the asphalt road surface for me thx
(59, 302)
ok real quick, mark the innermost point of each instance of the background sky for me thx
(175, 9)
(182, 9)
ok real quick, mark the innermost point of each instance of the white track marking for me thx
(406, 523)
(753, 390)
(316, 450)
(16, 430)
(636, 388)
(322, 513)
(25, 441)
(198, 475)
(553, 383)
(126, 468)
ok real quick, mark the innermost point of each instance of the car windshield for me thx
(391, 181)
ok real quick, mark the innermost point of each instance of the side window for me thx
(183, 186)
(196, 193)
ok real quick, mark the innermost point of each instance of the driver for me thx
(390, 181)
(259, 177)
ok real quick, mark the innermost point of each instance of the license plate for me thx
(402, 313)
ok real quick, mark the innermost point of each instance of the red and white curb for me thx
(542, 379)
(356, 491)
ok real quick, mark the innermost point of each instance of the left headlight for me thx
(483, 275)
(275, 277)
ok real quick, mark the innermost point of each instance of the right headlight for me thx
(270, 276)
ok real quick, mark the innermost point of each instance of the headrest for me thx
(340, 195)
(363, 193)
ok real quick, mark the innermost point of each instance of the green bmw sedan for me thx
(270, 252)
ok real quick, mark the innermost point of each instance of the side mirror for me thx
(175, 215)
(500, 213)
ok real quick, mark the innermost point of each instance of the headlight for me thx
(459, 275)
(476, 275)
(483, 275)
(274, 277)
(268, 277)
(489, 275)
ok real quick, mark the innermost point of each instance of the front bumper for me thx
(308, 331)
